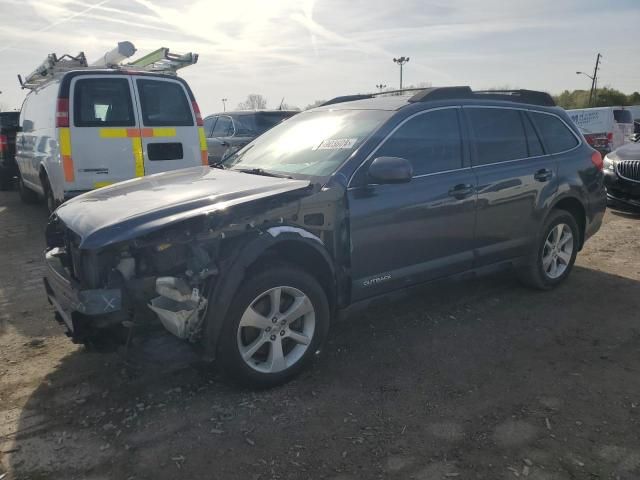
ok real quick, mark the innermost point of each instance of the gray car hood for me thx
(136, 207)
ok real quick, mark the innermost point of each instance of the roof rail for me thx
(449, 93)
(346, 98)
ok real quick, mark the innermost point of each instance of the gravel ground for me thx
(483, 379)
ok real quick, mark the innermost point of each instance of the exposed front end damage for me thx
(179, 276)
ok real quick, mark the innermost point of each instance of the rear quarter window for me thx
(164, 104)
(102, 102)
(555, 134)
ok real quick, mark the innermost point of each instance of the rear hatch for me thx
(124, 126)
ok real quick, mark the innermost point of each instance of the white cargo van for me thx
(606, 128)
(88, 128)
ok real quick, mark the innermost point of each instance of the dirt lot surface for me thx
(482, 379)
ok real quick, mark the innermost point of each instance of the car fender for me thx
(233, 269)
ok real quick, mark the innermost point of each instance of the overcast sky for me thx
(306, 50)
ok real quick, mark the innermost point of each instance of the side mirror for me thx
(390, 170)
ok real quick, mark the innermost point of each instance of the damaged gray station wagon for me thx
(356, 199)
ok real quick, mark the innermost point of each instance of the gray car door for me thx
(403, 234)
(218, 144)
(515, 181)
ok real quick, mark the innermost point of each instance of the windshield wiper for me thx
(260, 171)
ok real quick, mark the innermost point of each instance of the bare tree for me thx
(254, 101)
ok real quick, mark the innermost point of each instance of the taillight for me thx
(596, 159)
(590, 139)
(610, 137)
(4, 143)
(62, 113)
(196, 110)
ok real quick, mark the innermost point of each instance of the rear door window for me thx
(534, 146)
(430, 141)
(555, 134)
(498, 135)
(164, 104)
(103, 102)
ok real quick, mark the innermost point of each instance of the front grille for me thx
(629, 169)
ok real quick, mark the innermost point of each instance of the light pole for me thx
(224, 104)
(401, 61)
(380, 86)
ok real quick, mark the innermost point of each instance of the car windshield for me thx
(260, 122)
(311, 143)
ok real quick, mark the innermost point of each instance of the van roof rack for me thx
(433, 94)
(159, 61)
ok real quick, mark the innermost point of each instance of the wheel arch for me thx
(294, 245)
(576, 208)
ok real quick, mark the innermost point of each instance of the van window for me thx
(430, 141)
(622, 116)
(499, 135)
(103, 102)
(164, 104)
(555, 134)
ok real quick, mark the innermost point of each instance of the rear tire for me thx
(26, 195)
(555, 252)
(277, 321)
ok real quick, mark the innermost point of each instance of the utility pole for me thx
(380, 87)
(401, 61)
(224, 104)
(594, 80)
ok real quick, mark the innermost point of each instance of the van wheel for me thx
(555, 252)
(277, 321)
(48, 196)
(26, 195)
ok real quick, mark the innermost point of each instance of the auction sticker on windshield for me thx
(337, 144)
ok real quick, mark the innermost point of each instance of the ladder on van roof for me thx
(159, 61)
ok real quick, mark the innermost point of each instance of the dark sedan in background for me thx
(8, 130)
(228, 132)
(622, 177)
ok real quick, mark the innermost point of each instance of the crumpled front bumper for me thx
(74, 305)
(622, 192)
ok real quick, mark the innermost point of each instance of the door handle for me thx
(461, 191)
(543, 175)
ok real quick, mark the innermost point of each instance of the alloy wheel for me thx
(557, 251)
(276, 329)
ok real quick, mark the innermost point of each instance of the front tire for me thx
(277, 321)
(555, 252)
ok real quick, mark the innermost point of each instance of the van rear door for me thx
(623, 126)
(103, 132)
(171, 137)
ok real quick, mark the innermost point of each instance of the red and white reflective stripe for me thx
(196, 109)
(62, 113)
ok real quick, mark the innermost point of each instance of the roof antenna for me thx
(280, 107)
